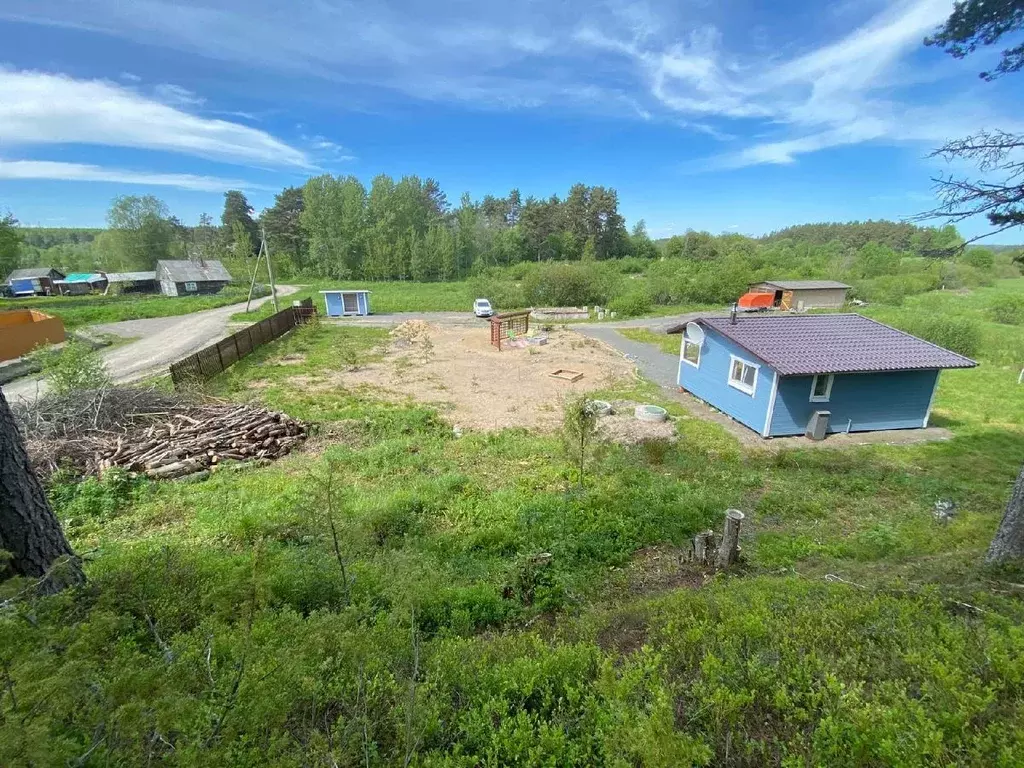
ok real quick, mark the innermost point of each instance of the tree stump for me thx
(703, 548)
(729, 550)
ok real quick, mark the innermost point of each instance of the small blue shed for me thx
(773, 373)
(342, 303)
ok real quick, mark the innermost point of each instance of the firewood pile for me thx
(153, 433)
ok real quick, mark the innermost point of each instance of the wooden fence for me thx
(211, 360)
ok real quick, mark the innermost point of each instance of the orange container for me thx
(22, 330)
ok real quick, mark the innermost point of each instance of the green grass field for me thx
(221, 626)
(78, 311)
(390, 297)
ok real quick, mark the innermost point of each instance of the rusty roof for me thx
(803, 345)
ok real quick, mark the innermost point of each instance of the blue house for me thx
(774, 373)
(344, 303)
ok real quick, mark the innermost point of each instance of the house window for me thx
(743, 375)
(191, 287)
(691, 353)
(821, 388)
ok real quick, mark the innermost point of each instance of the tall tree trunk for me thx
(29, 530)
(1008, 544)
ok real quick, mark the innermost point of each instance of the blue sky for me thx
(726, 116)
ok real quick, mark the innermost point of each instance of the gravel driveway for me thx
(161, 341)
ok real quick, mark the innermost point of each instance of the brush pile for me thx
(155, 433)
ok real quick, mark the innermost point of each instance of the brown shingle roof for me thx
(802, 345)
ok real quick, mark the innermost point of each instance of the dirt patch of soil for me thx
(622, 426)
(478, 387)
(661, 568)
(295, 359)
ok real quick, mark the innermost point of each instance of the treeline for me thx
(406, 230)
(336, 227)
(900, 236)
(716, 270)
(525, 252)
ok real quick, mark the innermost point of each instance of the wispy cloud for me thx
(774, 94)
(38, 108)
(54, 171)
(838, 93)
(328, 149)
(177, 96)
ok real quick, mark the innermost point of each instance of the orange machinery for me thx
(756, 301)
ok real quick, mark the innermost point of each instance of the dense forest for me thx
(571, 250)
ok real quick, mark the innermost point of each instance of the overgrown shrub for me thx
(503, 294)
(1007, 309)
(559, 285)
(75, 367)
(959, 334)
(632, 304)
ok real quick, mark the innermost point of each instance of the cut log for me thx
(703, 548)
(729, 550)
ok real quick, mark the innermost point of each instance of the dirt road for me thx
(159, 342)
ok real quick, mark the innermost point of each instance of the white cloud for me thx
(696, 64)
(38, 108)
(176, 96)
(326, 149)
(53, 171)
(839, 93)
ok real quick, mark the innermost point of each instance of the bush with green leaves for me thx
(960, 334)
(632, 304)
(570, 284)
(73, 368)
(1008, 309)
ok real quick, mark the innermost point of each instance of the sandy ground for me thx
(477, 387)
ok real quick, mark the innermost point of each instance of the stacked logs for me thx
(197, 439)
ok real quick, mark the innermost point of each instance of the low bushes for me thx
(1008, 309)
(962, 335)
(632, 304)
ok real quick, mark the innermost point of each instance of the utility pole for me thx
(263, 254)
(270, 270)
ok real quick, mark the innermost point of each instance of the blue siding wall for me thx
(336, 307)
(333, 302)
(710, 382)
(862, 401)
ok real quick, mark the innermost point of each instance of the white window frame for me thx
(682, 352)
(828, 388)
(191, 287)
(738, 384)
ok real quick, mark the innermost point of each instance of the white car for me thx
(482, 308)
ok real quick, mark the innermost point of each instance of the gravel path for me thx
(654, 364)
(163, 340)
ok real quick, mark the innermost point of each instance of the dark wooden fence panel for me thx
(211, 360)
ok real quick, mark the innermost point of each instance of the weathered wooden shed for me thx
(183, 278)
(132, 282)
(804, 294)
(37, 281)
(81, 283)
(346, 302)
